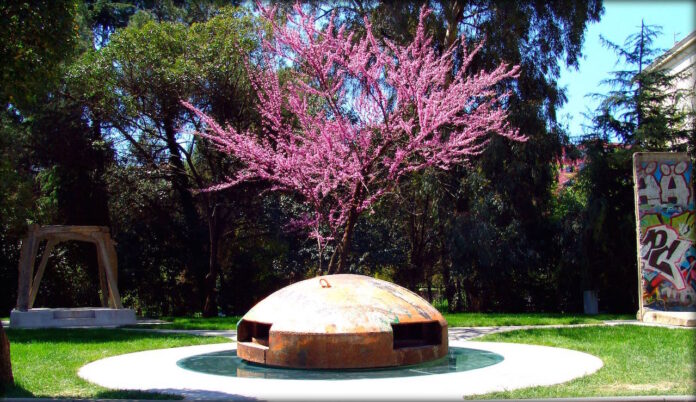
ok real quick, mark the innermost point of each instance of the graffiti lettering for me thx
(661, 249)
(667, 230)
(648, 189)
(673, 187)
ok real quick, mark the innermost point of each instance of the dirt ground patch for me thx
(654, 387)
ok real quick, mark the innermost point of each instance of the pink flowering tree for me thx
(355, 117)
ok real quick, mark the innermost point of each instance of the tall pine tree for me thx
(643, 108)
(641, 112)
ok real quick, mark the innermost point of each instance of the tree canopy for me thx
(362, 115)
(103, 80)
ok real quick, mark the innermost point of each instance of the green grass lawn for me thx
(213, 323)
(637, 361)
(454, 320)
(45, 362)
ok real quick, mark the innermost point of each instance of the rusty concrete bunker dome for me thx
(342, 321)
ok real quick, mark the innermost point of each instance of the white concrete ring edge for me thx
(523, 366)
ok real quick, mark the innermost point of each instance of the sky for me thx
(619, 20)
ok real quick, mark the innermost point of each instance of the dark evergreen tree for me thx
(35, 38)
(644, 108)
(641, 112)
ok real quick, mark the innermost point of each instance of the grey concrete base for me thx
(523, 366)
(71, 317)
(684, 319)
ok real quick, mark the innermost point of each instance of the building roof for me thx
(677, 49)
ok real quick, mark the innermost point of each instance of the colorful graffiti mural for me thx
(667, 237)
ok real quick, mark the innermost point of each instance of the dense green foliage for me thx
(46, 362)
(98, 137)
(105, 148)
(133, 86)
(642, 111)
(34, 39)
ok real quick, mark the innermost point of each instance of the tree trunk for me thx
(474, 298)
(344, 247)
(454, 11)
(210, 309)
(6, 378)
(416, 239)
(460, 295)
(181, 185)
(179, 177)
(429, 284)
(338, 259)
(449, 287)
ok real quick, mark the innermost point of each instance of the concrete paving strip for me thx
(226, 333)
(455, 333)
(523, 366)
(669, 398)
(466, 333)
(649, 398)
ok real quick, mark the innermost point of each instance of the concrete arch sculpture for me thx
(28, 285)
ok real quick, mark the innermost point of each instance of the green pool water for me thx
(227, 363)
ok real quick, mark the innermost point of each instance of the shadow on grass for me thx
(115, 394)
(82, 335)
(15, 391)
(194, 394)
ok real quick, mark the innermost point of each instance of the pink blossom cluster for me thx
(356, 115)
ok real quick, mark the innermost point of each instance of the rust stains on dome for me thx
(342, 321)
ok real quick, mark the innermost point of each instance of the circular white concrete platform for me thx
(524, 366)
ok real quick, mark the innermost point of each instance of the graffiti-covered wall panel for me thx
(667, 230)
